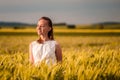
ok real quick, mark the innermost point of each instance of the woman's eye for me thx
(41, 26)
(38, 26)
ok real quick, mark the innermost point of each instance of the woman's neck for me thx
(42, 39)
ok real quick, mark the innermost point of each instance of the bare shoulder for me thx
(58, 52)
(32, 43)
(57, 44)
(58, 47)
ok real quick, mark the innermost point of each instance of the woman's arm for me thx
(58, 52)
(31, 59)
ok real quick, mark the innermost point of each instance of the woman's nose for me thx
(39, 28)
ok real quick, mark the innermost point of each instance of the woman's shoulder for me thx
(54, 41)
(33, 42)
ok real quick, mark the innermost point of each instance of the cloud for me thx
(71, 11)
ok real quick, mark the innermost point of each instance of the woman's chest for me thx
(43, 49)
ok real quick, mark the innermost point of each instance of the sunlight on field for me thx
(84, 57)
(17, 30)
(66, 30)
(85, 30)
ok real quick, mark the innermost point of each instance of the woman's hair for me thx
(50, 33)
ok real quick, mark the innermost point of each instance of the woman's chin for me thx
(39, 34)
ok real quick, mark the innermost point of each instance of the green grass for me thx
(84, 57)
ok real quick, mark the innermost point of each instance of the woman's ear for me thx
(50, 28)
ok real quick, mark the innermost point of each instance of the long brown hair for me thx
(50, 33)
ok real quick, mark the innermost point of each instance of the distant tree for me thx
(101, 26)
(59, 24)
(98, 26)
(71, 26)
(16, 27)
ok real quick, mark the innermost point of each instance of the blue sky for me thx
(69, 11)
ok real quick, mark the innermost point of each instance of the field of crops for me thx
(87, 55)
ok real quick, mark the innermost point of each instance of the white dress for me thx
(44, 51)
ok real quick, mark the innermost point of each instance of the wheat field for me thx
(84, 57)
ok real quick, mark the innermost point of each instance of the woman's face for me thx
(42, 27)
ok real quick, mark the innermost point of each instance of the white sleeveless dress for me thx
(44, 51)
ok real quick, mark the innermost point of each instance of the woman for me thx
(45, 48)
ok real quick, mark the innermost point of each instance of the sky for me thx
(68, 11)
